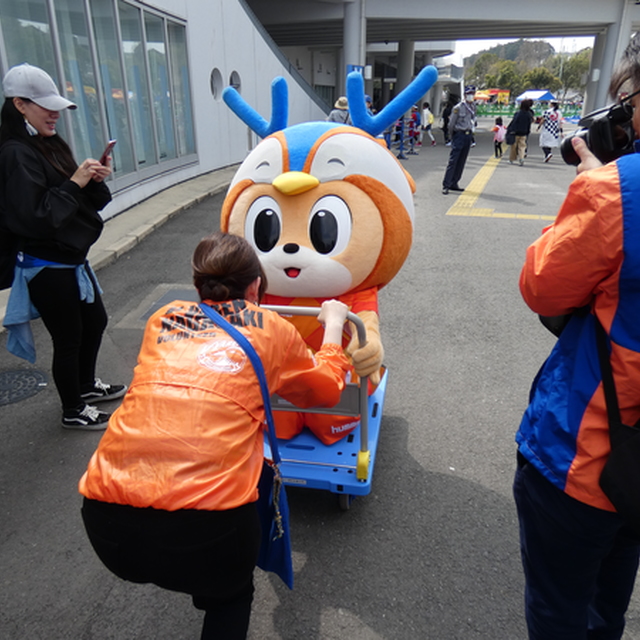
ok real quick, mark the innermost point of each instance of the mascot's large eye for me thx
(263, 223)
(330, 225)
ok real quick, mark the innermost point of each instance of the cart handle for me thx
(364, 454)
(314, 311)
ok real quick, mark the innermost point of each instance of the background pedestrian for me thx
(340, 111)
(520, 125)
(551, 133)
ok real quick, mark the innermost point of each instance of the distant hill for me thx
(532, 53)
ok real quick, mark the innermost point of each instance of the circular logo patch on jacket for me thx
(222, 356)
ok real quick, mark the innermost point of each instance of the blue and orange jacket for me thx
(589, 257)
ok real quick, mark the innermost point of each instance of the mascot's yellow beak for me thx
(294, 182)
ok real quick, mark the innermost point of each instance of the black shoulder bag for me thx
(510, 136)
(620, 478)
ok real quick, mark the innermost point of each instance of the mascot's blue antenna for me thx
(248, 115)
(375, 125)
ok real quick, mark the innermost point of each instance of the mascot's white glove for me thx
(368, 360)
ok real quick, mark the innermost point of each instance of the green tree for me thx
(528, 64)
(477, 72)
(575, 70)
(509, 77)
(541, 78)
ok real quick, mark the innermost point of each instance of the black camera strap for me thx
(619, 433)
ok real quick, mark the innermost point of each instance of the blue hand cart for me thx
(345, 467)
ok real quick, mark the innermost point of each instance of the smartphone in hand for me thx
(107, 151)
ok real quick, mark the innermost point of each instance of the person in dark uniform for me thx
(463, 120)
(446, 116)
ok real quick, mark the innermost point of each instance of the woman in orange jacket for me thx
(170, 492)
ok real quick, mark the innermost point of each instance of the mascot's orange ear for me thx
(230, 200)
(410, 180)
(398, 231)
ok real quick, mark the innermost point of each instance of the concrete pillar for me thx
(431, 95)
(386, 94)
(406, 55)
(593, 76)
(629, 12)
(436, 103)
(607, 48)
(354, 37)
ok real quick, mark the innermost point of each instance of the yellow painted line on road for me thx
(465, 204)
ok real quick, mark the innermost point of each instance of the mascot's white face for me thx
(320, 231)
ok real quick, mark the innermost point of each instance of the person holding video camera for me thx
(579, 556)
(50, 205)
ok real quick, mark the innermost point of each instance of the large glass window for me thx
(125, 66)
(160, 87)
(137, 83)
(181, 88)
(108, 45)
(80, 78)
(27, 34)
(26, 31)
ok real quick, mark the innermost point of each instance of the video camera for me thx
(608, 133)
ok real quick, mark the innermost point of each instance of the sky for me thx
(466, 48)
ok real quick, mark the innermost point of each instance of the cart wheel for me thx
(344, 501)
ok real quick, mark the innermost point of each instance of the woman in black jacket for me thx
(521, 127)
(51, 205)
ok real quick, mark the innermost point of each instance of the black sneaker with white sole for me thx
(101, 392)
(87, 418)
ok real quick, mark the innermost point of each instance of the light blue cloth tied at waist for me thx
(20, 310)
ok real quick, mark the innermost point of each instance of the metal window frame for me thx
(139, 175)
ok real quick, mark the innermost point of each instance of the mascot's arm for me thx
(368, 359)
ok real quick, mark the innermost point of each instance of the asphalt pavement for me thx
(432, 553)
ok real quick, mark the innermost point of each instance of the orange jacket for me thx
(188, 434)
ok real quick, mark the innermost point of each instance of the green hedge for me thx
(507, 111)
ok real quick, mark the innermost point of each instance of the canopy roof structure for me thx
(537, 95)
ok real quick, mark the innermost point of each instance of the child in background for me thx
(427, 122)
(499, 132)
(414, 127)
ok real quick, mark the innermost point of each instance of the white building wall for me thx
(324, 68)
(302, 59)
(221, 35)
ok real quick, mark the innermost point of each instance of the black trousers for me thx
(460, 145)
(75, 327)
(209, 555)
(579, 562)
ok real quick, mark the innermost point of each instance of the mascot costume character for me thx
(329, 211)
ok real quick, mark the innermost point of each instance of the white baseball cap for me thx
(25, 81)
